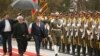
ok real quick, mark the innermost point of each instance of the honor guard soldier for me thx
(73, 25)
(90, 19)
(84, 37)
(63, 41)
(92, 39)
(45, 39)
(78, 36)
(67, 34)
(48, 39)
(56, 28)
(98, 40)
(98, 35)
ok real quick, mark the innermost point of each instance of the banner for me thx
(34, 10)
(43, 8)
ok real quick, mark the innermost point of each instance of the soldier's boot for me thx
(84, 51)
(73, 49)
(95, 52)
(90, 51)
(63, 48)
(60, 48)
(50, 45)
(98, 52)
(46, 43)
(78, 50)
(68, 48)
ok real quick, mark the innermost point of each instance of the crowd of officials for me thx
(75, 33)
(13, 28)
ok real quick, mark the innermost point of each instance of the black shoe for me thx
(63, 51)
(68, 52)
(72, 54)
(51, 49)
(39, 55)
(56, 54)
(84, 54)
(77, 55)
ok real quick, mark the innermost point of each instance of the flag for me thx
(36, 1)
(43, 8)
(34, 10)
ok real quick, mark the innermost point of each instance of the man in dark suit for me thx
(38, 30)
(21, 34)
(6, 27)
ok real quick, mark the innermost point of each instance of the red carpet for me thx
(15, 53)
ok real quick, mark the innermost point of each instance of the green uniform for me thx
(67, 35)
(56, 31)
(92, 39)
(98, 40)
(72, 36)
(84, 38)
(78, 37)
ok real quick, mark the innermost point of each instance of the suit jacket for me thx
(38, 31)
(2, 25)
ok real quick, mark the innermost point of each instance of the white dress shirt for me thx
(38, 24)
(30, 28)
(7, 26)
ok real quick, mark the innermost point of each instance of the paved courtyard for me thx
(31, 48)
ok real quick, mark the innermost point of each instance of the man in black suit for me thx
(38, 30)
(21, 33)
(6, 27)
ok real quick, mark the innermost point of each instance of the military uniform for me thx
(98, 40)
(84, 37)
(78, 36)
(92, 39)
(67, 35)
(56, 30)
(63, 41)
(72, 36)
(45, 40)
(48, 39)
